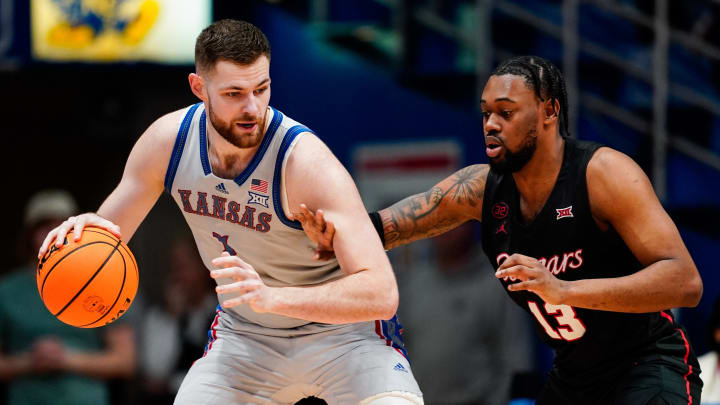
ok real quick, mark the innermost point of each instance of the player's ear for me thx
(551, 108)
(197, 85)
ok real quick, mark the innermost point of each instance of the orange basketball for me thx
(88, 283)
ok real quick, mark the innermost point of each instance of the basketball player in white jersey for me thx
(287, 326)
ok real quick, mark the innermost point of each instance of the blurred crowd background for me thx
(392, 86)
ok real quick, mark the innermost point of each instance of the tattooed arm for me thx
(453, 201)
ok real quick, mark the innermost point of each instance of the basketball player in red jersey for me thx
(578, 239)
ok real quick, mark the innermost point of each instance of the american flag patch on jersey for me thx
(258, 185)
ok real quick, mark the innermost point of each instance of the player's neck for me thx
(536, 180)
(227, 160)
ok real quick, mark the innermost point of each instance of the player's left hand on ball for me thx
(247, 286)
(533, 276)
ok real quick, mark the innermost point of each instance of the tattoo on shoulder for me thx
(469, 184)
(464, 188)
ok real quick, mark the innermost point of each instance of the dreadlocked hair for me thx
(542, 77)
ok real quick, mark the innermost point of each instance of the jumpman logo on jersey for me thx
(224, 240)
(502, 228)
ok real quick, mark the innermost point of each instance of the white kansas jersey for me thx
(245, 216)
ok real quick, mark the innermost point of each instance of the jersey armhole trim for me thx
(204, 161)
(290, 136)
(582, 188)
(178, 147)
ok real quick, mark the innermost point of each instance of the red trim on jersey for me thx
(378, 330)
(687, 354)
(213, 332)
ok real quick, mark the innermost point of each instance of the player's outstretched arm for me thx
(142, 183)
(622, 198)
(445, 206)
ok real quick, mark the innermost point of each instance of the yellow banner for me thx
(117, 30)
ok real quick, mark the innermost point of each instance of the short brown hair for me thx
(232, 40)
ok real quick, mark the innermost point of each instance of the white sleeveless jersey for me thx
(244, 216)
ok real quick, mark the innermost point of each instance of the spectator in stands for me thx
(710, 362)
(174, 333)
(465, 341)
(42, 360)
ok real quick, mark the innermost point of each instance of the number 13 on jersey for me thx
(569, 328)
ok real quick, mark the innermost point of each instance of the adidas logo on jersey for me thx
(221, 188)
(399, 367)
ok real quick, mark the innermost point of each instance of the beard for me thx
(227, 129)
(514, 161)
